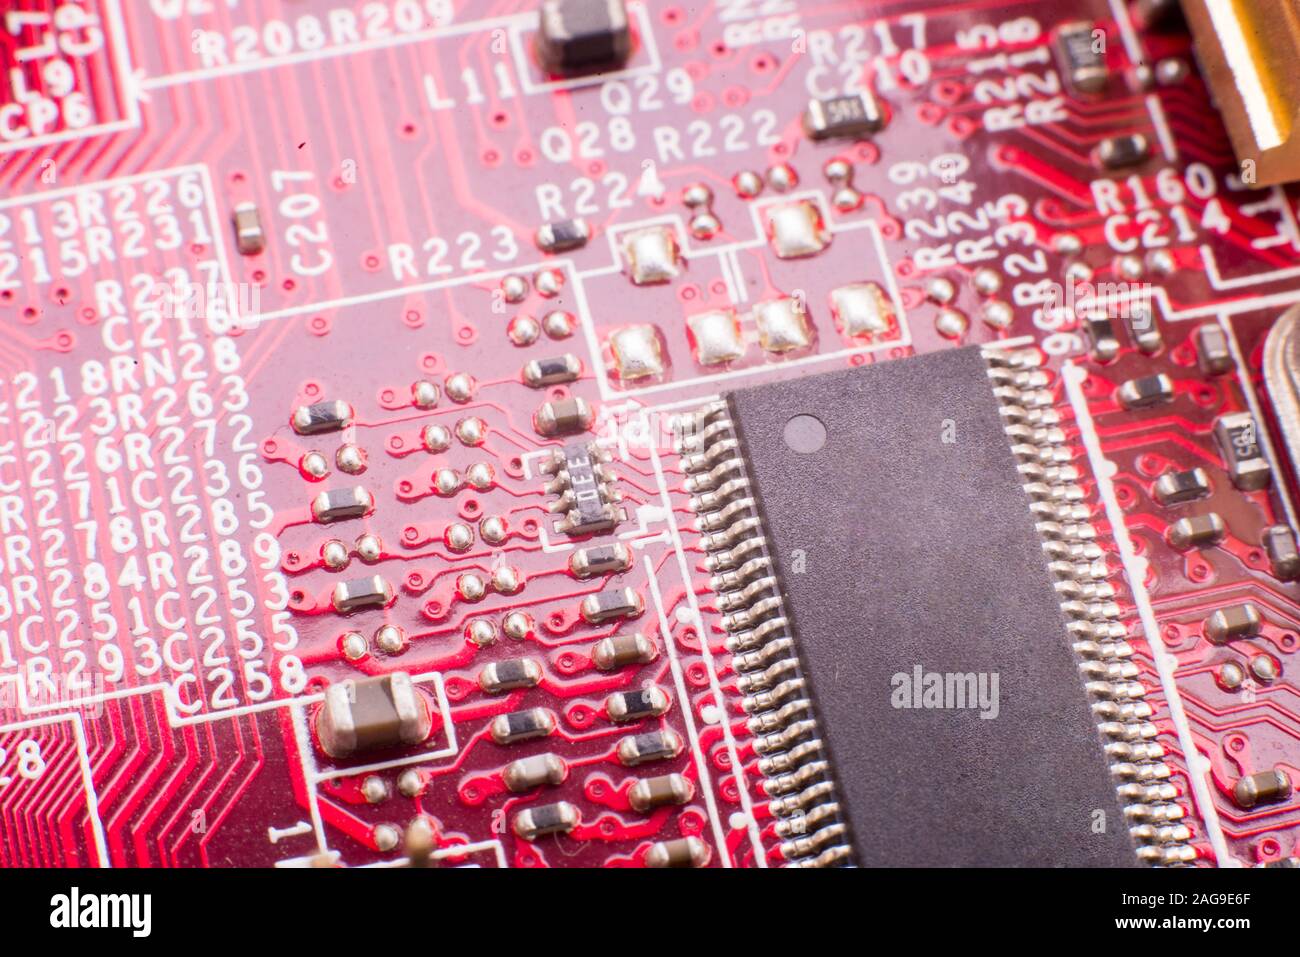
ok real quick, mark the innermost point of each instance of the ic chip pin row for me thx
(1081, 574)
(796, 775)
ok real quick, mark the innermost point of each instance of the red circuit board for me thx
(167, 627)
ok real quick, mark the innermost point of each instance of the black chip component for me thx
(501, 676)
(608, 605)
(1120, 152)
(1175, 488)
(847, 117)
(1157, 14)
(600, 560)
(1213, 354)
(1280, 543)
(522, 725)
(1238, 438)
(362, 593)
(583, 36)
(562, 236)
(1101, 333)
(624, 706)
(539, 373)
(329, 416)
(1145, 392)
(338, 504)
(1082, 56)
(654, 746)
(873, 484)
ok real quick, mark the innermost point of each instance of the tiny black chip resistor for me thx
(600, 560)
(608, 605)
(1120, 152)
(1081, 53)
(362, 593)
(513, 673)
(554, 370)
(1145, 392)
(522, 725)
(583, 36)
(624, 706)
(1238, 438)
(1177, 487)
(562, 236)
(326, 416)
(851, 116)
(653, 746)
(338, 504)
(535, 822)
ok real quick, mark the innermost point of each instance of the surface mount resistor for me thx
(562, 236)
(327, 416)
(501, 676)
(250, 238)
(535, 822)
(555, 370)
(634, 705)
(851, 116)
(608, 605)
(1238, 439)
(338, 504)
(361, 593)
(1081, 51)
(600, 560)
(519, 726)
(653, 746)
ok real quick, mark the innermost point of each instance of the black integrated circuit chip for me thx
(913, 575)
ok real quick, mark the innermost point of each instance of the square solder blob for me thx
(927, 625)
